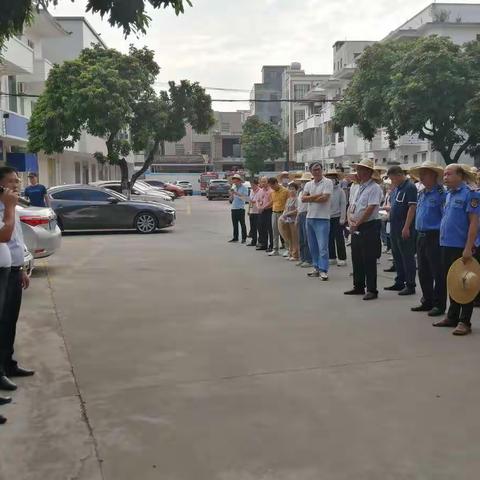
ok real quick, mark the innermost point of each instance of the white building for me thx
(27, 62)
(315, 139)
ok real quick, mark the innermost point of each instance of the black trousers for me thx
(265, 231)
(403, 252)
(456, 311)
(238, 218)
(336, 239)
(254, 219)
(430, 270)
(9, 317)
(365, 245)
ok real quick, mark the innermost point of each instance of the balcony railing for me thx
(17, 58)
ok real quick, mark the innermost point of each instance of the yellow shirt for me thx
(279, 199)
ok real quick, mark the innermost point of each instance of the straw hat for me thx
(367, 163)
(332, 172)
(306, 177)
(463, 280)
(427, 165)
(466, 169)
(237, 177)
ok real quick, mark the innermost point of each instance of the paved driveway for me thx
(194, 359)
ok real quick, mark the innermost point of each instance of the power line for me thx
(220, 89)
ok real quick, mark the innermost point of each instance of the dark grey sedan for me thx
(84, 207)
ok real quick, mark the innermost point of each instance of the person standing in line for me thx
(7, 225)
(353, 186)
(338, 216)
(239, 195)
(254, 213)
(279, 199)
(287, 222)
(264, 205)
(402, 231)
(304, 250)
(36, 192)
(18, 280)
(317, 193)
(458, 231)
(431, 200)
(284, 179)
(365, 231)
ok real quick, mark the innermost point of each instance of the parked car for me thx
(138, 192)
(40, 230)
(142, 184)
(28, 262)
(86, 207)
(218, 189)
(187, 186)
(175, 189)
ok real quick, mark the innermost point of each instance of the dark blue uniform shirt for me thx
(401, 199)
(430, 209)
(459, 204)
(36, 195)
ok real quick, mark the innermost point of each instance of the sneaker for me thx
(332, 261)
(273, 253)
(286, 254)
(306, 265)
(324, 276)
(341, 263)
(299, 264)
(293, 259)
(314, 273)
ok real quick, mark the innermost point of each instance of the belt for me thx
(15, 269)
(428, 232)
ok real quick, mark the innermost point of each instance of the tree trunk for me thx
(147, 164)
(124, 183)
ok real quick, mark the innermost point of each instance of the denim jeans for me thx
(318, 231)
(302, 238)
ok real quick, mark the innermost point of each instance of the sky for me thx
(224, 43)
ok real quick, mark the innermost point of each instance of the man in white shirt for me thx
(17, 281)
(317, 193)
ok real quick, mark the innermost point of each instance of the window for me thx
(299, 91)
(179, 149)
(76, 194)
(341, 137)
(299, 116)
(96, 196)
(30, 44)
(415, 158)
(94, 173)
(12, 88)
(78, 173)
(201, 148)
(226, 127)
(405, 159)
(384, 160)
(424, 157)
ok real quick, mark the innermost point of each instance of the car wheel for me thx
(145, 223)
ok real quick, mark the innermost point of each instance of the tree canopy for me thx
(429, 87)
(260, 141)
(129, 15)
(109, 94)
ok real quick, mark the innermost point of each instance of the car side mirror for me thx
(113, 200)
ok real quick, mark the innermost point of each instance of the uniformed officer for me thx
(402, 230)
(431, 200)
(458, 231)
(365, 228)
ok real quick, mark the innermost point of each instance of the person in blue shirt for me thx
(431, 201)
(458, 232)
(402, 230)
(36, 192)
(239, 195)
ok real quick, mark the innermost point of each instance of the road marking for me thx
(189, 206)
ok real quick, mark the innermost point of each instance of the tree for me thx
(129, 15)
(110, 95)
(260, 141)
(426, 87)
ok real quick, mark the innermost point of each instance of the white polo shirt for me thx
(16, 245)
(315, 209)
(368, 194)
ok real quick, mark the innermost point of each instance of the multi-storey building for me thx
(315, 139)
(265, 96)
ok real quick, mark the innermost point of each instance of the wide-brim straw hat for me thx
(306, 177)
(467, 170)
(367, 163)
(332, 172)
(427, 165)
(237, 177)
(463, 280)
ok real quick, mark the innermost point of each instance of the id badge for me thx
(387, 228)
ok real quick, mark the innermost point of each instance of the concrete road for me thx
(177, 356)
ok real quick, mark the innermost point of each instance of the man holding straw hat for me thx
(427, 223)
(365, 229)
(458, 231)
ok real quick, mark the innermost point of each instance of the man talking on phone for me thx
(17, 281)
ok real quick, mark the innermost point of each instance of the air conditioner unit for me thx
(20, 87)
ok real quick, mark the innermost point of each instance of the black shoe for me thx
(436, 312)
(421, 308)
(394, 288)
(391, 269)
(244, 240)
(7, 384)
(370, 296)
(5, 400)
(354, 292)
(2, 420)
(17, 371)
(407, 291)
(233, 240)
(268, 250)
(261, 248)
(251, 244)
